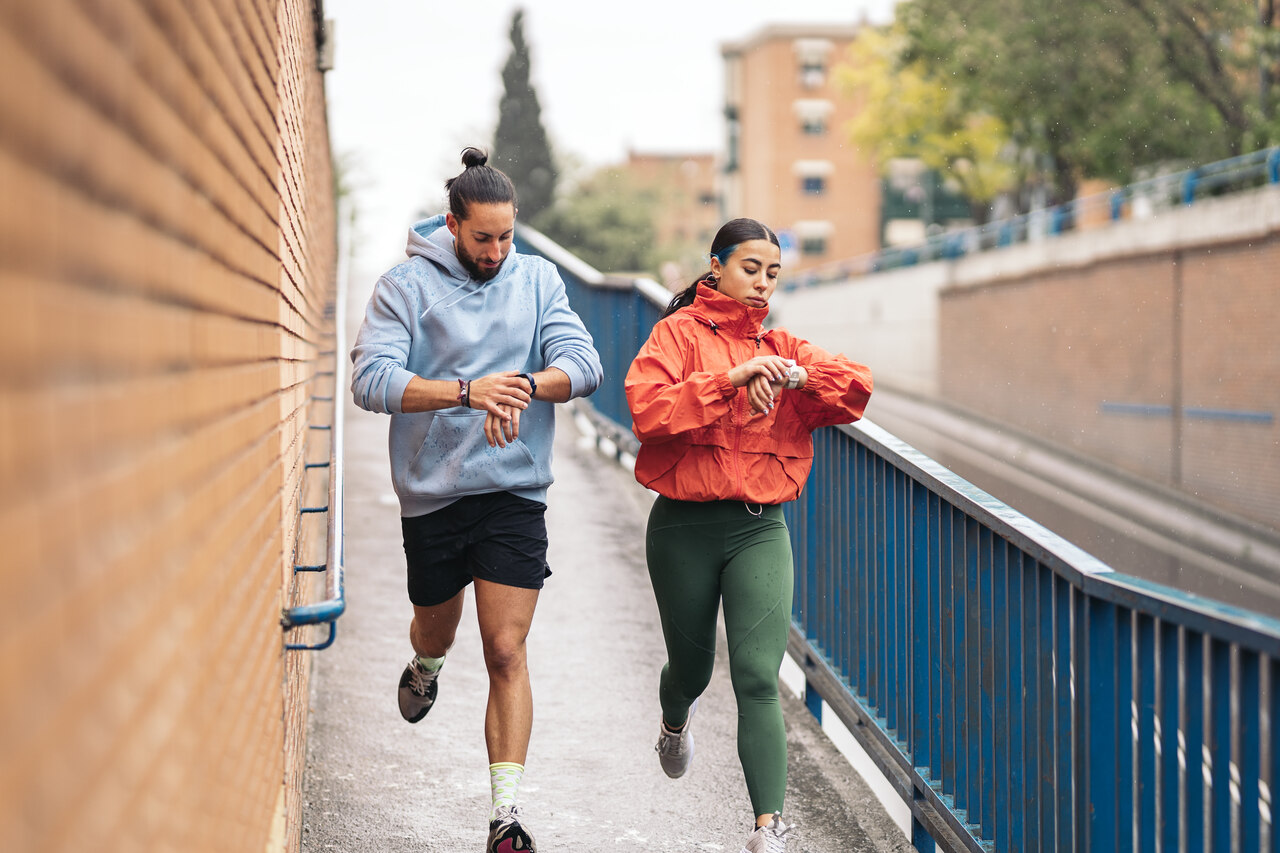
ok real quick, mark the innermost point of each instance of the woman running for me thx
(724, 411)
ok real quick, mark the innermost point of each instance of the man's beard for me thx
(476, 271)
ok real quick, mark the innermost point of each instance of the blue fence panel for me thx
(1018, 694)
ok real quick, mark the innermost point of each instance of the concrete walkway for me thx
(377, 783)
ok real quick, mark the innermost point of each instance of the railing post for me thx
(1117, 205)
(1189, 183)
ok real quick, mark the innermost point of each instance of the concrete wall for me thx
(1149, 346)
(166, 257)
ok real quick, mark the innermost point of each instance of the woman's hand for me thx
(764, 377)
(761, 394)
(772, 367)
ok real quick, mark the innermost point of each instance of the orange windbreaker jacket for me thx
(699, 438)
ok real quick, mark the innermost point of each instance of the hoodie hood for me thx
(430, 239)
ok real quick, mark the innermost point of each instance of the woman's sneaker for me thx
(417, 691)
(506, 835)
(770, 838)
(675, 749)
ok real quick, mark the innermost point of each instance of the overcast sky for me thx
(415, 81)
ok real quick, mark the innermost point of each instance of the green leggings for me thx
(699, 553)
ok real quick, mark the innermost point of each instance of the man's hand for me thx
(502, 428)
(499, 394)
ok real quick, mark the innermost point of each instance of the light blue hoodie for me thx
(428, 317)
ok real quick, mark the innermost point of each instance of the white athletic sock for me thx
(504, 780)
(430, 664)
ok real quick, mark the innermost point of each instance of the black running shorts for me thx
(498, 537)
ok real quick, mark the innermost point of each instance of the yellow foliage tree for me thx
(906, 114)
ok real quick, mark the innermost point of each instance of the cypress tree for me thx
(520, 146)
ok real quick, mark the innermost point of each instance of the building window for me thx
(733, 129)
(813, 75)
(813, 245)
(812, 58)
(813, 114)
(813, 236)
(813, 175)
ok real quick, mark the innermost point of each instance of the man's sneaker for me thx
(506, 835)
(770, 838)
(675, 749)
(417, 691)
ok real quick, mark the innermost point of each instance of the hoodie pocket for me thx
(455, 459)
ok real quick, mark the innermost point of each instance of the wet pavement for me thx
(592, 782)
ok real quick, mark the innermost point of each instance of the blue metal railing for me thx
(335, 602)
(1016, 690)
(1182, 187)
(1018, 694)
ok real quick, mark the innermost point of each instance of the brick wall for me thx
(166, 260)
(1161, 361)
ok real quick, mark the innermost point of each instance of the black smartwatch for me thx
(533, 386)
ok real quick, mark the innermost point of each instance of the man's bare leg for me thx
(433, 628)
(505, 614)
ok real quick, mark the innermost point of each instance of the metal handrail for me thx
(1182, 187)
(335, 603)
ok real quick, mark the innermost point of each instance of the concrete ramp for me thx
(377, 783)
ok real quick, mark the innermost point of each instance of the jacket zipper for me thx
(740, 404)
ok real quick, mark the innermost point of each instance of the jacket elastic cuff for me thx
(725, 385)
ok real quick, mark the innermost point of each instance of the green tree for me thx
(1089, 88)
(1219, 49)
(520, 145)
(606, 221)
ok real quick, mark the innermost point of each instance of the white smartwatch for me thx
(795, 373)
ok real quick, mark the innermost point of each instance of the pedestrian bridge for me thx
(1002, 689)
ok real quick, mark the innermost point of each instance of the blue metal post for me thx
(1189, 183)
(1098, 810)
(1064, 712)
(1171, 745)
(1251, 750)
(1220, 743)
(1147, 771)
(1193, 729)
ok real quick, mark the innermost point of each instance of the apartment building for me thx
(788, 160)
(687, 209)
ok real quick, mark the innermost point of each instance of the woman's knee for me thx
(755, 677)
(687, 679)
